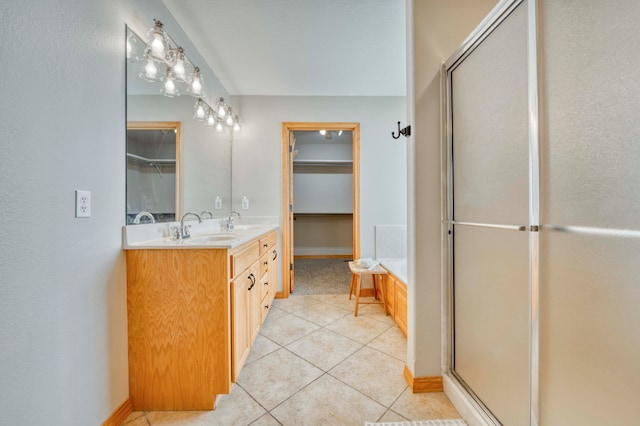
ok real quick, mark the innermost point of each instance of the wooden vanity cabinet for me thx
(193, 315)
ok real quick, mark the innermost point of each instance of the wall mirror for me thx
(165, 180)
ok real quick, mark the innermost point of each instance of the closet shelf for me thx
(322, 162)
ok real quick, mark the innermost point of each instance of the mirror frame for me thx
(163, 125)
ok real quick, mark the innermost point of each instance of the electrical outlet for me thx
(83, 203)
(245, 203)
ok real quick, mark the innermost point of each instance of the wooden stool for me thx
(356, 281)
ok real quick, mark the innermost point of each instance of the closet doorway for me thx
(325, 198)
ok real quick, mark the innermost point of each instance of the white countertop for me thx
(397, 266)
(207, 234)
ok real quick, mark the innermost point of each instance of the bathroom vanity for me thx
(195, 307)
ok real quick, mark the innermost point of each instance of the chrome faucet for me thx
(229, 225)
(183, 231)
(143, 214)
(206, 212)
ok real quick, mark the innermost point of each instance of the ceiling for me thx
(300, 47)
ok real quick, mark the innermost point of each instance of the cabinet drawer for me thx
(243, 259)
(264, 285)
(390, 293)
(264, 308)
(268, 242)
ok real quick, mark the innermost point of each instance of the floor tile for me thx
(361, 329)
(138, 421)
(133, 416)
(295, 303)
(286, 329)
(425, 406)
(261, 346)
(266, 420)
(237, 408)
(376, 312)
(342, 301)
(391, 416)
(322, 313)
(274, 313)
(321, 297)
(275, 377)
(178, 418)
(324, 348)
(375, 374)
(392, 342)
(328, 402)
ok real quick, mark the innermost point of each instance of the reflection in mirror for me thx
(202, 178)
(153, 172)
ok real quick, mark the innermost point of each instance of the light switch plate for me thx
(83, 203)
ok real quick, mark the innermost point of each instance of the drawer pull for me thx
(252, 278)
(266, 263)
(275, 255)
(265, 245)
(266, 283)
(266, 306)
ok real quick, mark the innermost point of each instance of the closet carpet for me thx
(321, 276)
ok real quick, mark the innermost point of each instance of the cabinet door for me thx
(255, 297)
(389, 293)
(241, 342)
(401, 306)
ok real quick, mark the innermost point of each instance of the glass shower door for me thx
(489, 212)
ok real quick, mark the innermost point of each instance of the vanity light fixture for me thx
(165, 61)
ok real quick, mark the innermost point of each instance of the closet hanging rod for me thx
(149, 161)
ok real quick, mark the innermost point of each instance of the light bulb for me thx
(236, 127)
(323, 132)
(201, 110)
(211, 119)
(157, 45)
(150, 72)
(219, 127)
(229, 120)
(178, 67)
(195, 87)
(221, 108)
(169, 87)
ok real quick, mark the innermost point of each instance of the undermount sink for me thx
(214, 238)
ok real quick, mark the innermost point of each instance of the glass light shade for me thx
(201, 110)
(219, 127)
(178, 68)
(169, 88)
(157, 41)
(195, 86)
(236, 124)
(150, 71)
(221, 108)
(211, 119)
(323, 132)
(229, 119)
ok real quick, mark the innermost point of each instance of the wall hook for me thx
(406, 132)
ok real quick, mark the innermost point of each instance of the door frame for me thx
(287, 249)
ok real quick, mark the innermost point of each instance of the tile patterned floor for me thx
(314, 363)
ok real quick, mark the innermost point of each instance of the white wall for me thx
(435, 29)
(257, 169)
(63, 325)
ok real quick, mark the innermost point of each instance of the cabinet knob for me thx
(265, 245)
(266, 283)
(266, 306)
(266, 263)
